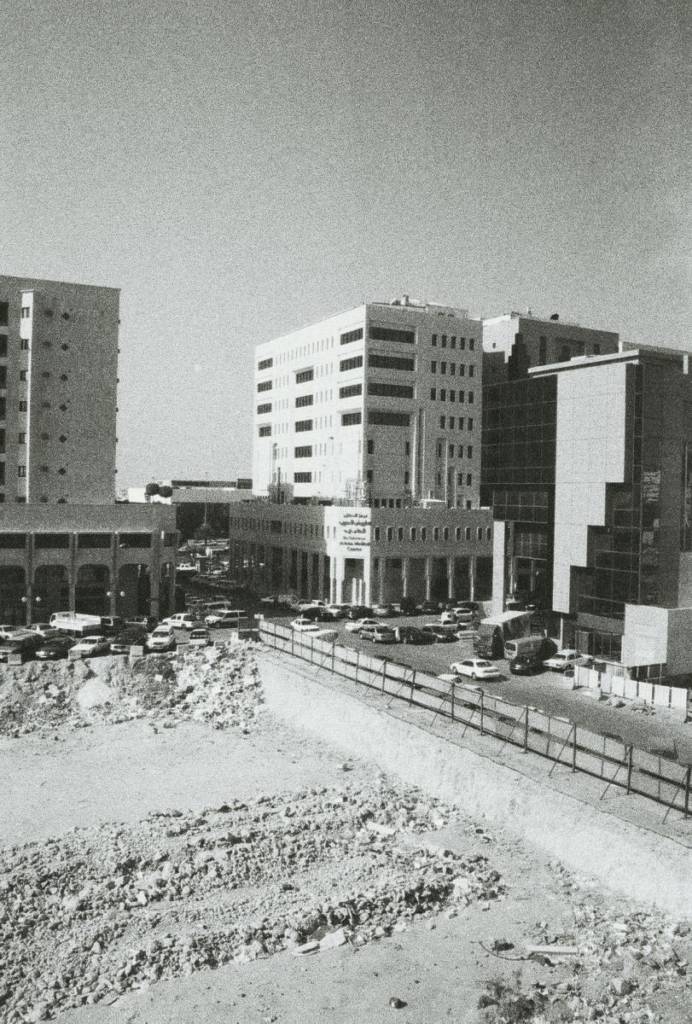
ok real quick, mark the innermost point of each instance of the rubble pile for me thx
(219, 685)
(100, 911)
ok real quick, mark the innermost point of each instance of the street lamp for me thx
(28, 604)
(117, 594)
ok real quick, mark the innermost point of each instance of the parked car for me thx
(564, 659)
(181, 620)
(111, 624)
(413, 635)
(147, 622)
(7, 631)
(408, 606)
(476, 668)
(304, 625)
(44, 629)
(161, 639)
(439, 633)
(357, 625)
(22, 643)
(429, 607)
(131, 636)
(448, 618)
(379, 634)
(200, 638)
(303, 605)
(335, 611)
(91, 646)
(383, 611)
(228, 619)
(526, 664)
(358, 611)
(316, 612)
(55, 648)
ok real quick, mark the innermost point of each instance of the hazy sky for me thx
(240, 169)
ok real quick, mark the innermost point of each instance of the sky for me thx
(240, 169)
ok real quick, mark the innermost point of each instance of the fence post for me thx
(482, 696)
(688, 776)
(333, 654)
(357, 665)
(526, 730)
(293, 637)
(629, 768)
(384, 672)
(413, 686)
(574, 748)
(453, 689)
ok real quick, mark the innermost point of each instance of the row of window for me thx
(392, 334)
(391, 362)
(302, 376)
(448, 422)
(349, 336)
(450, 451)
(444, 533)
(351, 364)
(452, 342)
(443, 395)
(265, 364)
(453, 368)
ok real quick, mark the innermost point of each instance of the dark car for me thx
(132, 636)
(429, 607)
(408, 606)
(145, 622)
(317, 613)
(413, 635)
(526, 664)
(439, 634)
(359, 611)
(111, 624)
(53, 650)
(24, 645)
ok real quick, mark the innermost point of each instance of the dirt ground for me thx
(183, 869)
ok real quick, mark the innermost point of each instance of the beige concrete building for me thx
(58, 391)
(380, 404)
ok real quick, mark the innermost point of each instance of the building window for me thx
(450, 451)
(261, 409)
(377, 534)
(23, 345)
(302, 478)
(368, 476)
(472, 344)
(265, 430)
(4, 313)
(443, 341)
(264, 385)
(413, 533)
(350, 390)
(469, 479)
(371, 446)
(390, 390)
(303, 400)
(350, 336)
(462, 343)
(443, 367)
(488, 532)
(451, 423)
(407, 478)
(23, 374)
(462, 370)
(439, 451)
(434, 341)
(472, 369)
(303, 452)
(469, 451)
(26, 312)
(470, 397)
(388, 419)
(453, 341)
(390, 533)
(479, 533)
(597, 349)
(400, 532)
(467, 533)
(423, 534)
(407, 447)
(264, 364)
(469, 423)
(445, 533)
(452, 369)
(460, 479)
(391, 362)
(351, 364)
(23, 406)
(433, 366)
(302, 425)
(452, 396)
(21, 471)
(443, 395)
(436, 533)
(302, 376)
(21, 438)
(457, 533)
(390, 334)
(433, 394)
(350, 419)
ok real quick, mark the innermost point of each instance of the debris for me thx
(552, 950)
(397, 1004)
(333, 939)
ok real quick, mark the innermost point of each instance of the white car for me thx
(200, 638)
(335, 611)
(161, 639)
(448, 619)
(301, 625)
(309, 604)
(477, 668)
(223, 619)
(355, 625)
(564, 659)
(181, 620)
(90, 647)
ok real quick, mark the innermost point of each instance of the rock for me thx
(396, 1003)
(306, 948)
(333, 939)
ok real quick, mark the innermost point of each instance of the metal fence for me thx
(659, 775)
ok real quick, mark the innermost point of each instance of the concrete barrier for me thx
(642, 864)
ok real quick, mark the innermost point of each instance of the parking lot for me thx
(549, 691)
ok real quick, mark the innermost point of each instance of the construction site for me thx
(233, 834)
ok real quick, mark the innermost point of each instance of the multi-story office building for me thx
(374, 414)
(64, 543)
(587, 465)
(381, 403)
(58, 374)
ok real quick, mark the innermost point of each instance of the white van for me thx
(524, 645)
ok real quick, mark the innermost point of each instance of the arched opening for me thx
(91, 591)
(12, 590)
(51, 591)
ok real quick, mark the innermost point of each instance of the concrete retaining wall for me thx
(641, 864)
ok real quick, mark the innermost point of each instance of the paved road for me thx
(548, 690)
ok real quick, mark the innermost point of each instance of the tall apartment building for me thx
(64, 542)
(58, 391)
(381, 404)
